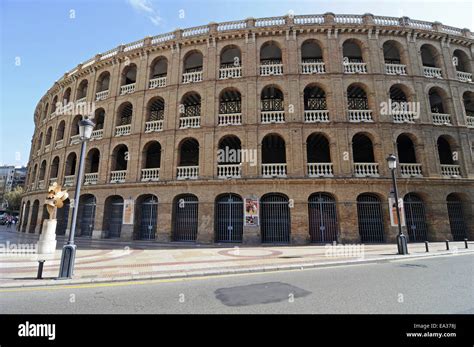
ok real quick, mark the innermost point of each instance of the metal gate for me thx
(415, 218)
(370, 217)
(456, 218)
(185, 226)
(115, 218)
(322, 218)
(148, 211)
(229, 218)
(62, 217)
(275, 219)
(86, 216)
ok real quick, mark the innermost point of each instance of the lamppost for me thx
(68, 256)
(401, 238)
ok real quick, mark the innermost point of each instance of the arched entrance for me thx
(370, 217)
(323, 225)
(275, 218)
(147, 217)
(185, 218)
(86, 215)
(229, 218)
(415, 218)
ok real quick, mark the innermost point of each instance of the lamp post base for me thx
(66, 270)
(402, 244)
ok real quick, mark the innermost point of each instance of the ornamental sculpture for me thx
(55, 199)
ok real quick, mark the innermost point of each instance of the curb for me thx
(219, 272)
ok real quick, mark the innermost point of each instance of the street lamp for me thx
(401, 238)
(68, 256)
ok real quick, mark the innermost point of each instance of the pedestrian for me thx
(9, 222)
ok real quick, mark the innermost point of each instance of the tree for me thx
(13, 199)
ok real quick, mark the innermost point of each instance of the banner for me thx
(393, 212)
(251, 212)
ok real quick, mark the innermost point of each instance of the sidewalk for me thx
(98, 261)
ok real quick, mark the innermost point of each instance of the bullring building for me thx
(311, 104)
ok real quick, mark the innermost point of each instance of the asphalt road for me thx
(432, 285)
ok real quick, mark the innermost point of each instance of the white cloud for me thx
(146, 7)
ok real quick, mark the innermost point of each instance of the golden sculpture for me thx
(55, 199)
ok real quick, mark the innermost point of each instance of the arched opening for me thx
(45, 111)
(270, 59)
(188, 159)
(230, 57)
(62, 216)
(273, 156)
(230, 107)
(151, 159)
(42, 171)
(312, 58)
(363, 156)
(318, 156)
(275, 218)
(34, 217)
(229, 157)
(35, 170)
(54, 104)
(49, 134)
(457, 222)
(461, 61)
(444, 151)
(158, 69)
(86, 215)
(60, 132)
(436, 101)
(323, 225)
(129, 75)
(185, 218)
(400, 107)
(146, 216)
(92, 161)
(370, 218)
(415, 218)
(406, 150)
(53, 175)
(120, 158)
(468, 101)
(24, 221)
(391, 52)
(40, 142)
(190, 111)
(353, 61)
(315, 105)
(192, 67)
(71, 164)
(113, 216)
(99, 118)
(357, 98)
(82, 90)
(272, 105)
(67, 96)
(229, 218)
(124, 114)
(75, 129)
(103, 82)
(431, 61)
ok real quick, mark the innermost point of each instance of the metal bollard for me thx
(426, 246)
(447, 245)
(465, 244)
(39, 276)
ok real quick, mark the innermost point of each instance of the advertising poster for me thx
(393, 212)
(128, 205)
(251, 211)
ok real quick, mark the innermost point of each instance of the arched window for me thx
(192, 67)
(99, 119)
(82, 90)
(431, 61)
(468, 101)
(42, 171)
(358, 104)
(230, 62)
(128, 79)
(270, 59)
(273, 156)
(395, 63)
(315, 105)
(67, 96)
(49, 134)
(363, 156)
(70, 173)
(230, 107)
(158, 72)
(92, 162)
(318, 156)
(190, 111)
(54, 169)
(229, 157)
(102, 86)
(60, 134)
(151, 159)
(353, 61)
(311, 58)
(188, 159)
(272, 105)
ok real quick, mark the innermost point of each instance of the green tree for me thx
(13, 199)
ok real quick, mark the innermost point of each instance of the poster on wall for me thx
(393, 212)
(251, 211)
(128, 205)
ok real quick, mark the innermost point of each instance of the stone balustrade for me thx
(230, 119)
(91, 178)
(274, 170)
(151, 174)
(229, 170)
(358, 116)
(123, 130)
(408, 170)
(366, 169)
(316, 116)
(187, 172)
(320, 170)
(118, 176)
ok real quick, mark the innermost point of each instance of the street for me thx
(438, 285)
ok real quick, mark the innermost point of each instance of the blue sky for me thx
(40, 41)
